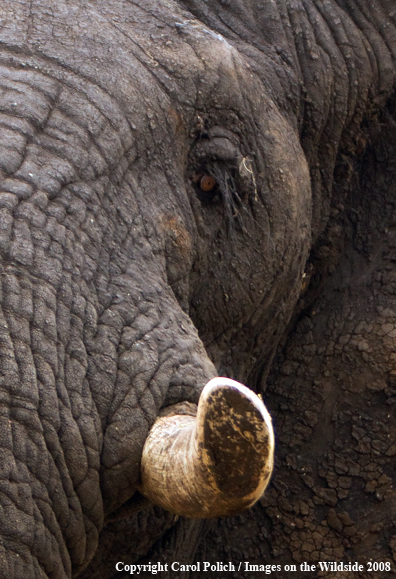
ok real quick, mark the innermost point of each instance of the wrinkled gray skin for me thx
(111, 256)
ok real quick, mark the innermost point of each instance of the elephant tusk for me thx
(216, 463)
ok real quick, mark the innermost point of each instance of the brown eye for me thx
(207, 183)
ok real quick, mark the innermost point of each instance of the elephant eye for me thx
(206, 186)
(207, 183)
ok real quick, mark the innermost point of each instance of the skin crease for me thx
(112, 259)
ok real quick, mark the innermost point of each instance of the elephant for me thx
(168, 177)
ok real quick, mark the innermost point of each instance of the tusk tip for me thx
(236, 441)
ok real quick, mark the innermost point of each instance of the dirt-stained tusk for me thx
(216, 463)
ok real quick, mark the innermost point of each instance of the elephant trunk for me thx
(216, 463)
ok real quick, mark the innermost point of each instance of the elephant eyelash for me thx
(228, 187)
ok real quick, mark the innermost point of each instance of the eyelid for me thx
(218, 148)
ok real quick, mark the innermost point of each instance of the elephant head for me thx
(148, 180)
(156, 192)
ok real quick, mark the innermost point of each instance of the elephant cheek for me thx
(178, 256)
(214, 464)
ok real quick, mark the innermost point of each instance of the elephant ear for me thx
(325, 64)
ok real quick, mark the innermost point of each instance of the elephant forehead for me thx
(197, 67)
(140, 58)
